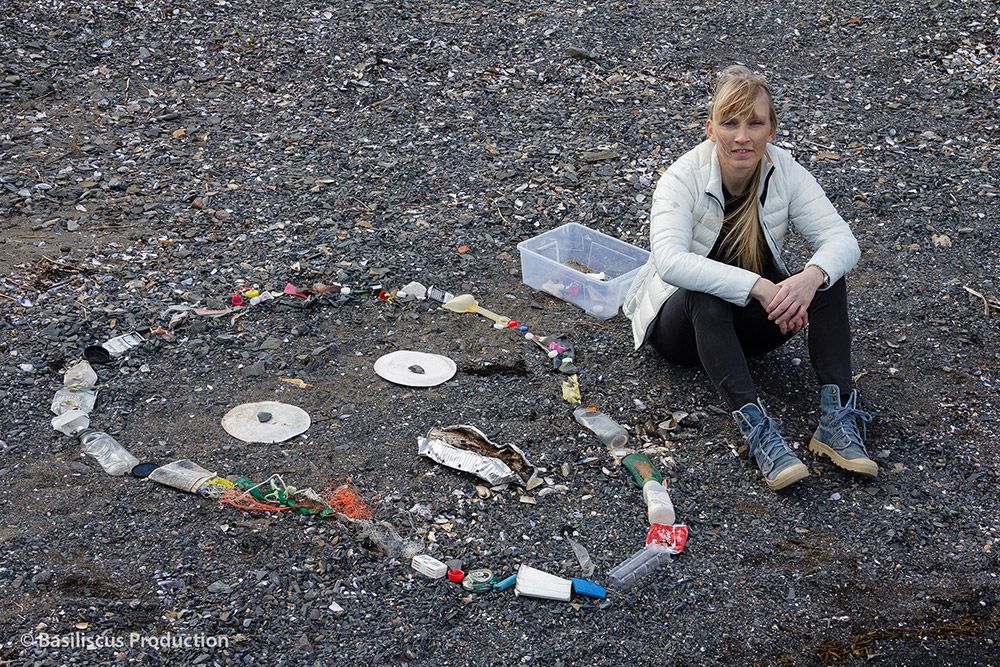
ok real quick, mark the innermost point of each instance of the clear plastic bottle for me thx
(604, 427)
(638, 566)
(658, 505)
(115, 459)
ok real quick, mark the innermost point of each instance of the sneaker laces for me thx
(843, 419)
(768, 439)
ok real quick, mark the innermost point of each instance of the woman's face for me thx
(741, 141)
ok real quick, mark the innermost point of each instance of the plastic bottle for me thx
(604, 427)
(638, 566)
(658, 504)
(115, 459)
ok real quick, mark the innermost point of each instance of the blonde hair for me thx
(737, 90)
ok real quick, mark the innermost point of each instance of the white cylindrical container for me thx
(658, 504)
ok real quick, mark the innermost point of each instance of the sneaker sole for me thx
(860, 466)
(788, 476)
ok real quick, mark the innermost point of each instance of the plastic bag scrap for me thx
(412, 290)
(466, 448)
(388, 540)
(79, 390)
(582, 556)
(571, 390)
(671, 538)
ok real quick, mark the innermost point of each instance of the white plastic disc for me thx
(285, 421)
(415, 369)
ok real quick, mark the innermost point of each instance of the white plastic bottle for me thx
(604, 427)
(658, 505)
(115, 459)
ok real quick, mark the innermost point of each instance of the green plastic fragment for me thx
(641, 469)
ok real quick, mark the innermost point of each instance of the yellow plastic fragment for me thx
(571, 390)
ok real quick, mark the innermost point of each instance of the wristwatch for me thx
(826, 276)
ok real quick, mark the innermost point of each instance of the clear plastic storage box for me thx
(582, 266)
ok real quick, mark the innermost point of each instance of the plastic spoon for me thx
(466, 303)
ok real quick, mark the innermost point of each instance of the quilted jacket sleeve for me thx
(813, 215)
(671, 241)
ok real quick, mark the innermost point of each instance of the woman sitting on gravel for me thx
(716, 290)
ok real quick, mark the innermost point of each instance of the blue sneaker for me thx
(838, 436)
(774, 457)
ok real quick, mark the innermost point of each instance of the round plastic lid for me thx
(96, 354)
(415, 369)
(144, 469)
(286, 421)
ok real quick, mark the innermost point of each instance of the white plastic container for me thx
(71, 422)
(429, 566)
(550, 262)
(658, 505)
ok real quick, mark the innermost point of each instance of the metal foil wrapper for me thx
(119, 345)
(184, 475)
(466, 448)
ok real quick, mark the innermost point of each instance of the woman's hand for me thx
(789, 306)
(764, 291)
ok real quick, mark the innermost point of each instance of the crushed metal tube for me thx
(468, 449)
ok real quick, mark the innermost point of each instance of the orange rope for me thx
(344, 499)
(244, 501)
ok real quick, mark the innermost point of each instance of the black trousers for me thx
(697, 328)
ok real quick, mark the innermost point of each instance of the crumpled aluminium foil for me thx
(466, 448)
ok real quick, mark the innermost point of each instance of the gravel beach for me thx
(156, 158)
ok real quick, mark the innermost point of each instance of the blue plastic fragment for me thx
(589, 589)
(506, 583)
(523, 328)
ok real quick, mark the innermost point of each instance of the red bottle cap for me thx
(237, 300)
(456, 576)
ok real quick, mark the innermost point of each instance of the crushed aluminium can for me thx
(479, 581)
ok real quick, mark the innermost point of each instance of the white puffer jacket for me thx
(686, 219)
